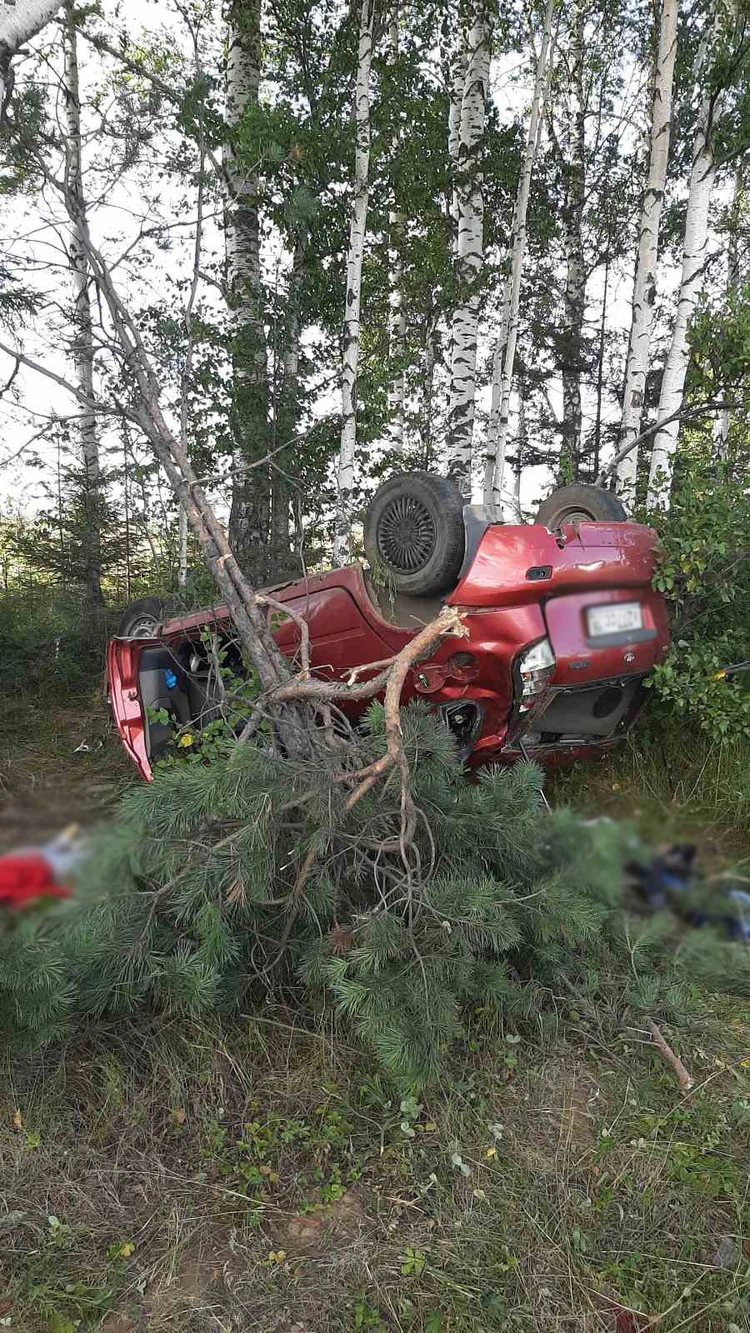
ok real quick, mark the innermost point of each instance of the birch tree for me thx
(457, 83)
(721, 426)
(20, 20)
(396, 312)
(574, 308)
(694, 255)
(82, 347)
(644, 284)
(287, 410)
(505, 350)
(345, 473)
(470, 250)
(250, 509)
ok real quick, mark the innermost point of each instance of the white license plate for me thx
(616, 618)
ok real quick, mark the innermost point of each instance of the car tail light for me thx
(535, 668)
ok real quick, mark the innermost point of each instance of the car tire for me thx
(141, 619)
(414, 533)
(580, 504)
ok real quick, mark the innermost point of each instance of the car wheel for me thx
(141, 619)
(580, 504)
(414, 533)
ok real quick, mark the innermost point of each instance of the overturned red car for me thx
(564, 626)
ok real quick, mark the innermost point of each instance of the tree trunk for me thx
(249, 519)
(721, 427)
(83, 339)
(575, 264)
(428, 382)
(694, 255)
(470, 250)
(182, 547)
(345, 476)
(396, 313)
(287, 418)
(600, 366)
(644, 286)
(457, 85)
(505, 350)
(19, 22)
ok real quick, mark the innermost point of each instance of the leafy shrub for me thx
(47, 642)
(705, 575)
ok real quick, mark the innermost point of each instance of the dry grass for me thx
(676, 786)
(260, 1178)
(46, 780)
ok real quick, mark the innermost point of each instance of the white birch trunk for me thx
(249, 516)
(721, 426)
(287, 416)
(83, 338)
(396, 312)
(396, 346)
(428, 383)
(694, 255)
(470, 251)
(19, 22)
(575, 263)
(457, 84)
(182, 547)
(505, 350)
(644, 284)
(345, 474)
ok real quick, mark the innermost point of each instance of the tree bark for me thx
(20, 22)
(287, 417)
(83, 339)
(470, 250)
(574, 312)
(721, 427)
(345, 475)
(457, 84)
(694, 255)
(644, 285)
(249, 520)
(396, 312)
(505, 350)
(428, 384)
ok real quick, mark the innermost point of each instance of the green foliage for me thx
(704, 573)
(48, 641)
(192, 905)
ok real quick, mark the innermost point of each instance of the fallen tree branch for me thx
(684, 1079)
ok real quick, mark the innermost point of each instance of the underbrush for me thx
(50, 643)
(219, 886)
(258, 1175)
(675, 784)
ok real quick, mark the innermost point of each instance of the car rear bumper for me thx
(568, 722)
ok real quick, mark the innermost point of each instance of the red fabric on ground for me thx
(25, 878)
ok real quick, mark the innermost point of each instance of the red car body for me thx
(520, 587)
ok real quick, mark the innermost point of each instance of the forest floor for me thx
(259, 1177)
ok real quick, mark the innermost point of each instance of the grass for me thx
(60, 763)
(259, 1176)
(675, 785)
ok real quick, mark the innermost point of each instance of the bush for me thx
(705, 575)
(48, 642)
(191, 905)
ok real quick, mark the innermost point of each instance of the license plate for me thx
(616, 618)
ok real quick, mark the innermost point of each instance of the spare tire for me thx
(414, 533)
(580, 504)
(141, 619)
